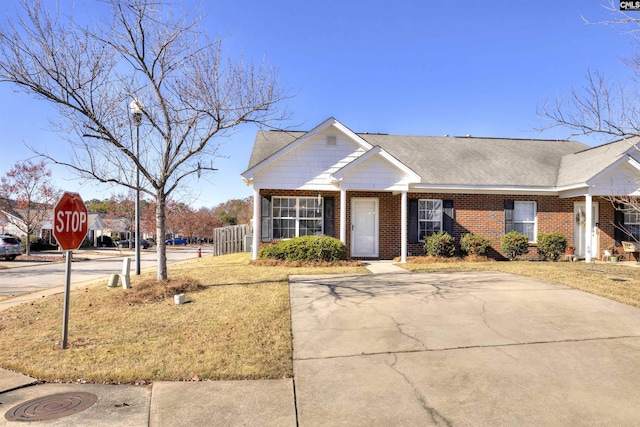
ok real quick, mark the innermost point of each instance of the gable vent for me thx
(331, 140)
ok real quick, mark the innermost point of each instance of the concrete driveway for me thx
(459, 349)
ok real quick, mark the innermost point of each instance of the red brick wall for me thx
(473, 213)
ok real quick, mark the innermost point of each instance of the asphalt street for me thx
(24, 277)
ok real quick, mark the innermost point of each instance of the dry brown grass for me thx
(150, 291)
(618, 282)
(237, 327)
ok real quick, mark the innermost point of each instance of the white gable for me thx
(622, 180)
(376, 173)
(310, 165)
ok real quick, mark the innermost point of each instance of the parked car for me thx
(177, 241)
(10, 247)
(144, 244)
(105, 242)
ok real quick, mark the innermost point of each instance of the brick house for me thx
(382, 194)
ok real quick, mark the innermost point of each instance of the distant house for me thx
(100, 224)
(12, 219)
(382, 194)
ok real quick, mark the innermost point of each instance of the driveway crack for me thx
(437, 418)
(486, 322)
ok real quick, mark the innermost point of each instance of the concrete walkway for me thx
(394, 348)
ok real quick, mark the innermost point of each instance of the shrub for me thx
(306, 248)
(514, 244)
(440, 244)
(551, 245)
(474, 244)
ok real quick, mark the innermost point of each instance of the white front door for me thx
(579, 230)
(364, 227)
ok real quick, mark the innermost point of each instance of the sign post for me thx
(70, 226)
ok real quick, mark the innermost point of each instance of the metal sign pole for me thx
(67, 290)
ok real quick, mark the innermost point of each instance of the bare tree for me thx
(27, 196)
(188, 93)
(605, 108)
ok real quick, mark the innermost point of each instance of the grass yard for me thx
(618, 282)
(237, 327)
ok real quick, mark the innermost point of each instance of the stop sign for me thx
(70, 221)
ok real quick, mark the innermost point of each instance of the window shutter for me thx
(265, 223)
(447, 217)
(618, 220)
(413, 221)
(508, 216)
(328, 204)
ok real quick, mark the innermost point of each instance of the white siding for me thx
(310, 165)
(623, 180)
(375, 173)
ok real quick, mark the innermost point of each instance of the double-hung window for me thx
(524, 219)
(297, 216)
(429, 218)
(632, 222)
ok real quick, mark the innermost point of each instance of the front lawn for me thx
(618, 282)
(237, 327)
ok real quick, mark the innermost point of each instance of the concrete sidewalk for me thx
(163, 404)
(393, 348)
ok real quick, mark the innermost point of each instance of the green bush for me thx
(474, 244)
(306, 248)
(551, 246)
(440, 244)
(514, 244)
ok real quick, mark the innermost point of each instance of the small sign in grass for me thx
(235, 325)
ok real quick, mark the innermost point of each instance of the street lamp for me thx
(136, 114)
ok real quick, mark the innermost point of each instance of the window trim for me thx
(426, 220)
(627, 231)
(297, 218)
(534, 221)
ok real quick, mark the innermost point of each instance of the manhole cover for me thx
(51, 407)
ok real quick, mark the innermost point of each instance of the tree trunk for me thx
(27, 246)
(160, 235)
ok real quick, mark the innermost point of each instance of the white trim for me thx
(535, 218)
(403, 227)
(343, 216)
(250, 173)
(413, 177)
(298, 218)
(633, 162)
(257, 203)
(588, 201)
(428, 220)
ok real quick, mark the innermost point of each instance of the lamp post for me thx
(136, 113)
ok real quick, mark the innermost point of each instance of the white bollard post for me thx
(126, 279)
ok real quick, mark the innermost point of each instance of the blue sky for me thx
(403, 67)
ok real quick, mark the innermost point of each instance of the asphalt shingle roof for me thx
(464, 161)
(583, 165)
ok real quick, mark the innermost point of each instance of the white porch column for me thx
(343, 216)
(256, 223)
(588, 206)
(403, 227)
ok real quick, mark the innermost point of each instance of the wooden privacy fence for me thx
(229, 240)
